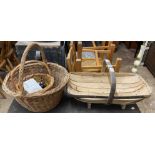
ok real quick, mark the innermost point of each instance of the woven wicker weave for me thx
(41, 101)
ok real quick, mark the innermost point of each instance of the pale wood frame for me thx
(75, 60)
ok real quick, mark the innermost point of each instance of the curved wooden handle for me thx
(23, 60)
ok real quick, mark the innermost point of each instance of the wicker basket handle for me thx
(23, 60)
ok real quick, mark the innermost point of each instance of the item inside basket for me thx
(31, 86)
(37, 82)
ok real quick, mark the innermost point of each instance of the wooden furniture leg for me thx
(79, 49)
(78, 65)
(1, 81)
(9, 64)
(94, 44)
(71, 59)
(2, 94)
(8, 68)
(89, 105)
(15, 59)
(113, 48)
(123, 107)
(117, 65)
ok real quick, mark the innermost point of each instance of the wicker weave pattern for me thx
(41, 101)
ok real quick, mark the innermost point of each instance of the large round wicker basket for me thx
(40, 101)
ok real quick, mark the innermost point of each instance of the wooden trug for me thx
(98, 84)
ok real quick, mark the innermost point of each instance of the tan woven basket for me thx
(41, 101)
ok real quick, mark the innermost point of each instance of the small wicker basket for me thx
(55, 76)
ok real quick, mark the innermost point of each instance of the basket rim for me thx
(51, 91)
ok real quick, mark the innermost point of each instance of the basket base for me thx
(73, 106)
(38, 106)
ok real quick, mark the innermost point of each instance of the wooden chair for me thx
(8, 54)
(76, 62)
(8, 58)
